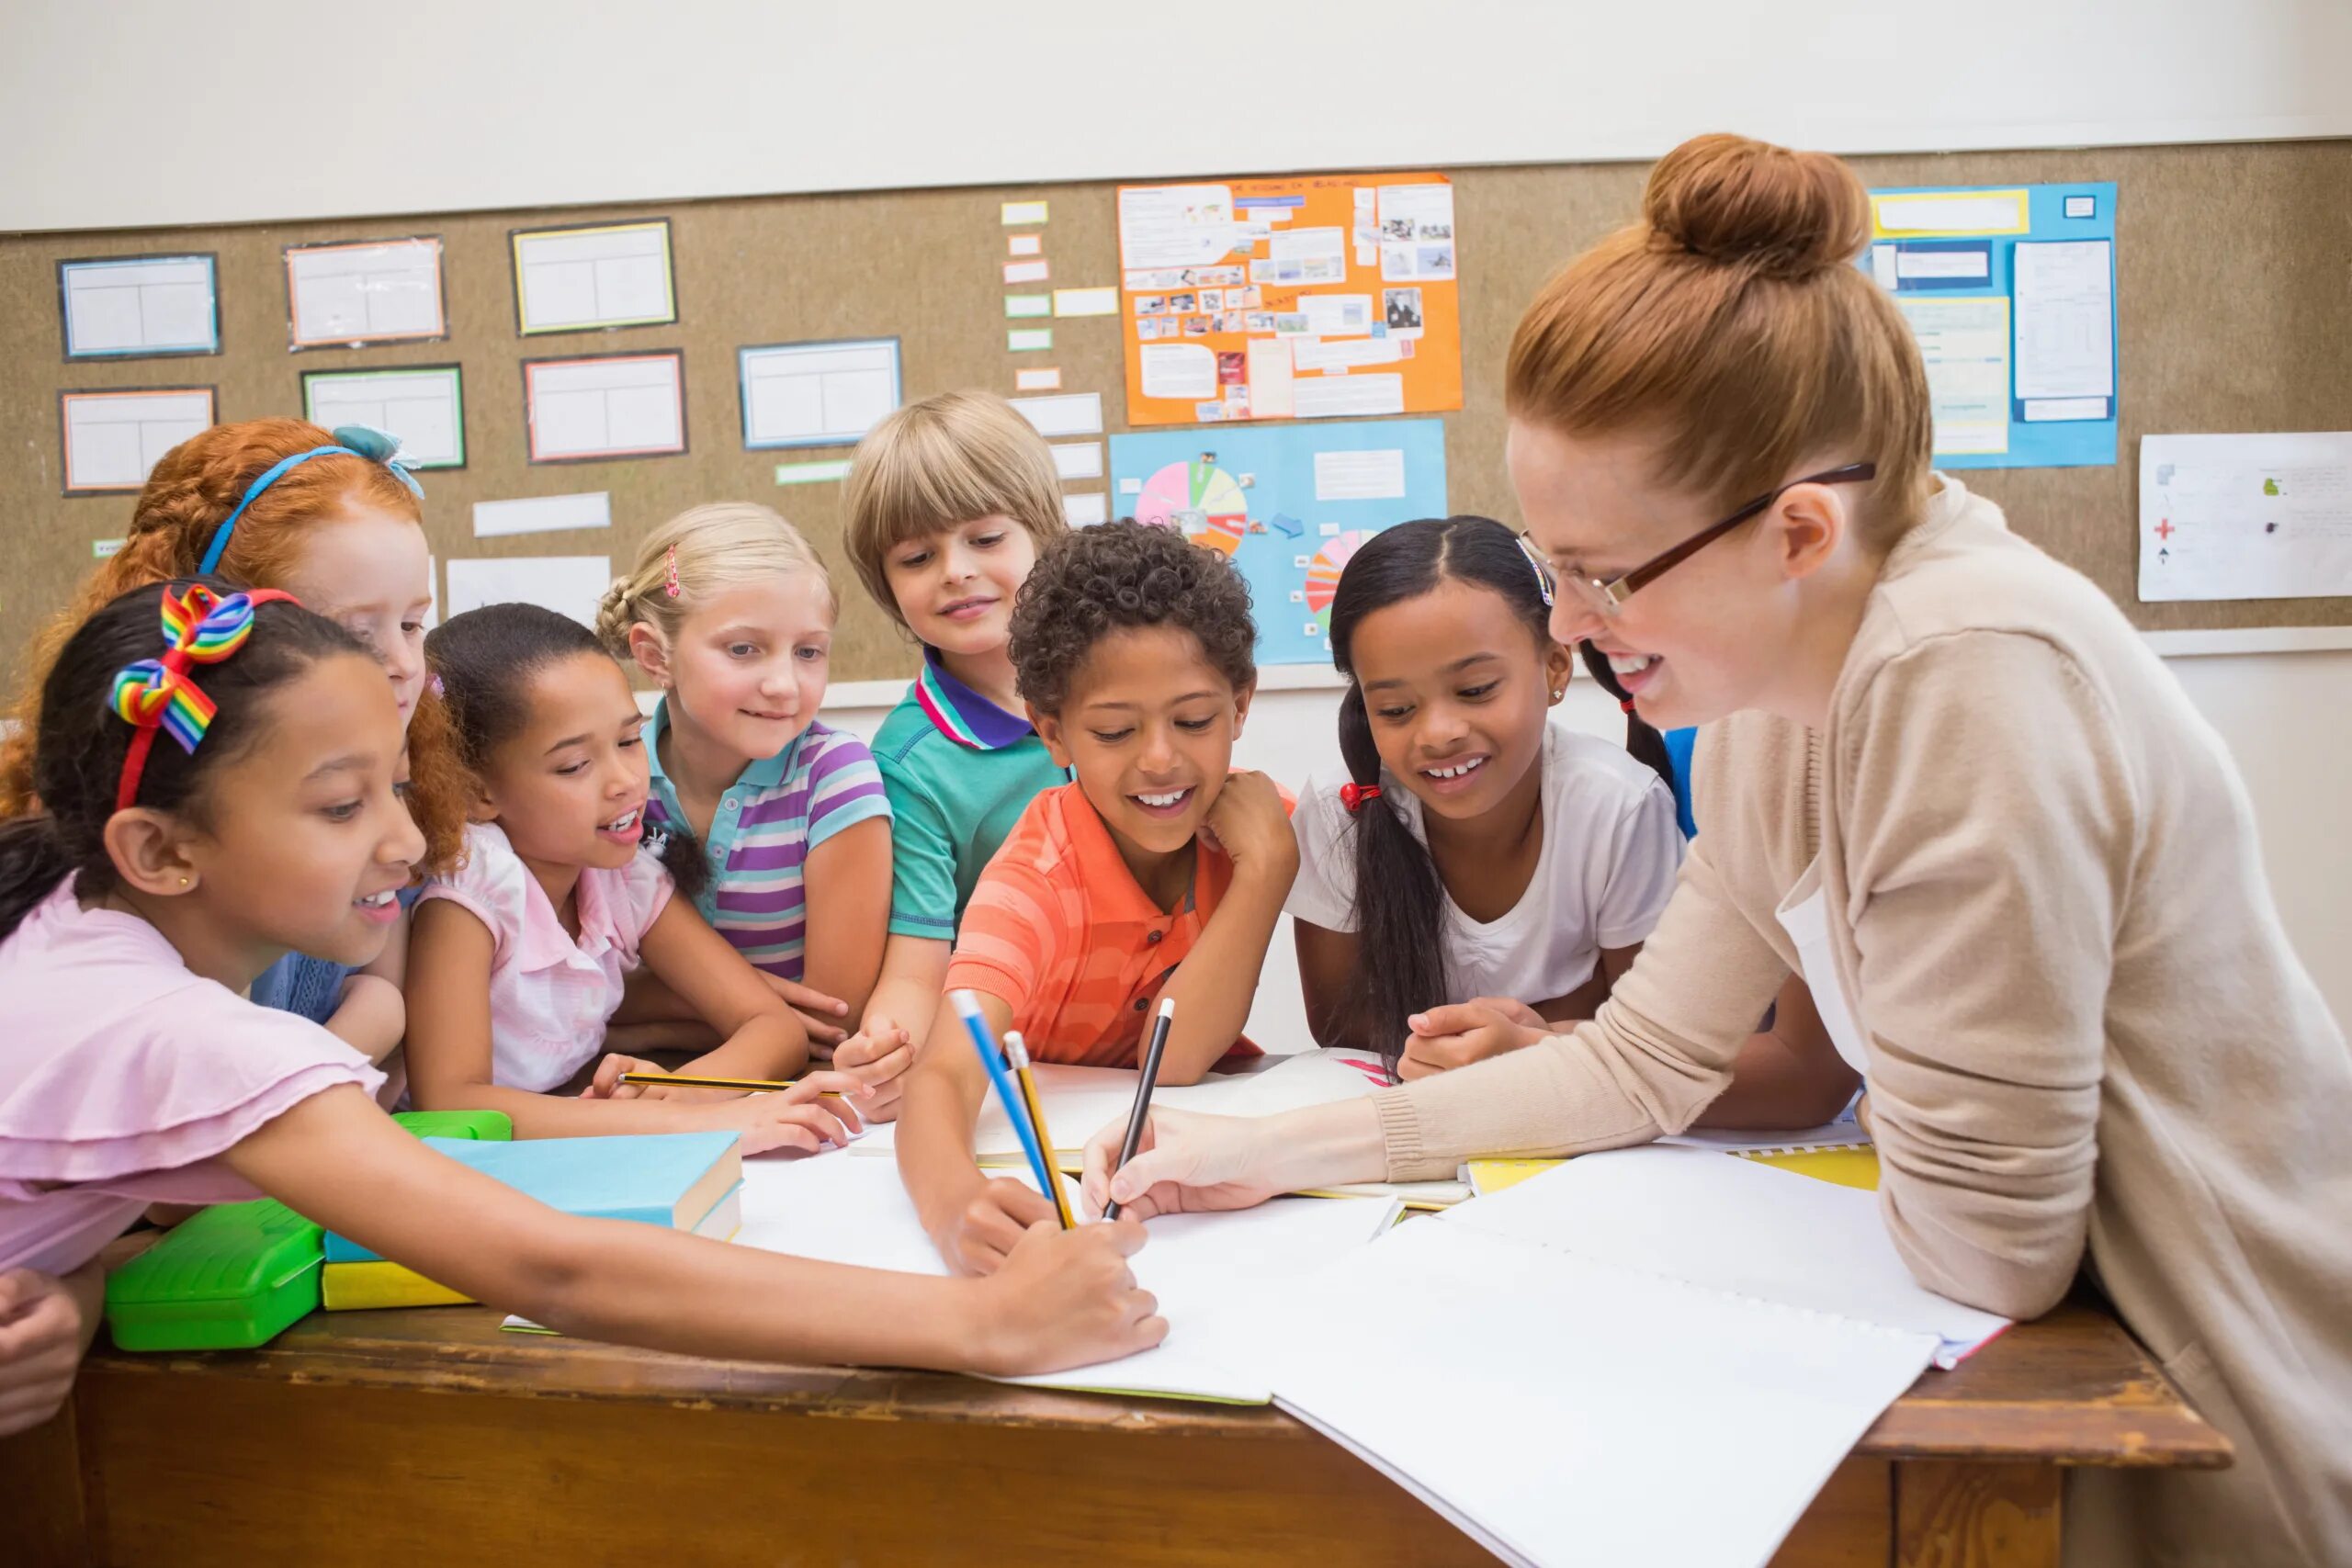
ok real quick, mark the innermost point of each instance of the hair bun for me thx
(1742, 202)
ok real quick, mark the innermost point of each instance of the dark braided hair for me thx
(79, 747)
(1096, 581)
(484, 661)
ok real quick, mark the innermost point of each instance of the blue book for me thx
(674, 1180)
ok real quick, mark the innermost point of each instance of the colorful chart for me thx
(1198, 498)
(1323, 574)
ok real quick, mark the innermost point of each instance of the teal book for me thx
(672, 1179)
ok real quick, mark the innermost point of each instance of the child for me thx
(1485, 874)
(164, 872)
(948, 504)
(1154, 874)
(517, 960)
(332, 518)
(783, 829)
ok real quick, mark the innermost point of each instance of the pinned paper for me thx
(1024, 244)
(1083, 511)
(1899, 213)
(606, 405)
(1079, 460)
(816, 394)
(812, 473)
(112, 439)
(1027, 271)
(1073, 414)
(1269, 369)
(132, 306)
(1016, 214)
(1102, 301)
(1021, 307)
(1326, 396)
(1178, 371)
(383, 291)
(424, 406)
(543, 514)
(1965, 344)
(1045, 380)
(613, 274)
(569, 586)
(102, 549)
(1028, 340)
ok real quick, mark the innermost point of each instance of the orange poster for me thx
(1316, 297)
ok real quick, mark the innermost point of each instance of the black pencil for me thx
(1142, 1112)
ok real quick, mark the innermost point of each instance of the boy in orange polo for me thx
(1156, 873)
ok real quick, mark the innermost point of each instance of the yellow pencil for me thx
(1019, 1055)
(753, 1085)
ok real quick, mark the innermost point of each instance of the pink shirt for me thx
(550, 997)
(123, 1076)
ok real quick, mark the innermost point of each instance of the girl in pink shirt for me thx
(168, 869)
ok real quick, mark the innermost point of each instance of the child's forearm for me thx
(1215, 984)
(934, 1143)
(908, 994)
(369, 1017)
(769, 1046)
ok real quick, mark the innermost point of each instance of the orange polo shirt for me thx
(1060, 931)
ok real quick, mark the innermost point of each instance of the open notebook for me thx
(1617, 1332)
(1211, 1273)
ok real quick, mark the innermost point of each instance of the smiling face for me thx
(1457, 687)
(955, 587)
(369, 571)
(569, 785)
(749, 665)
(303, 840)
(1149, 725)
(1702, 641)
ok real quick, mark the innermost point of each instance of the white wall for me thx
(138, 113)
(2283, 715)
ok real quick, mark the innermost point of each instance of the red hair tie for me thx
(1353, 795)
(1626, 706)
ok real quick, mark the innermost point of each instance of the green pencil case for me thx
(238, 1275)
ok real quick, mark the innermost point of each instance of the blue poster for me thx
(1289, 503)
(2010, 291)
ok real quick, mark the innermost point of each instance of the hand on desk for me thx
(45, 1325)
(983, 1232)
(1460, 1034)
(1064, 1299)
(1185, 1162)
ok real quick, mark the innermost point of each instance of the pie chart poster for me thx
(1289, 503)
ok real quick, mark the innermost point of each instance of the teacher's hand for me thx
(1186, 1162)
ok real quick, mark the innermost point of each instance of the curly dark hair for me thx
(1093, 582)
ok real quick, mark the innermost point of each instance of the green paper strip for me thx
(812, 473)
(1022, 340)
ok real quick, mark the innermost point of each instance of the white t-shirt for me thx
(1610, 853)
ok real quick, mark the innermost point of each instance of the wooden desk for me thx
(431, 1436)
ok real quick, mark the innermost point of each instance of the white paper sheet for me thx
(818, 394)
(1268, 367)
(1334, 397)
(140, 305)
(568, 279)
(1564, 1421)
(1344, 353)
(1208, 1271)
(1072, 413)
(1079, 460)
(112, 439)
(543, 514)
(1360, 476)
(1175, 226)
(1966, 345)
(1731, 1224)
(1102, 301)
(1186, 370)
(1336, 315)
(2246, 516)
(1086, 509)
(569, 586)
(423, 408)
(1414, 212)
(606, 408)
(365, 293)
(1027, 271)
(2065, 305)
(1976, 263)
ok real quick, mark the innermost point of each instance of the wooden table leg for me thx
(1960, 1515)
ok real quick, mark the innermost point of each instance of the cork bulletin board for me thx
(2234, 291)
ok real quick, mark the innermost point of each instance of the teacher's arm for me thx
(1987, 869)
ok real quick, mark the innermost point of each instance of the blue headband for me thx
(357, 441)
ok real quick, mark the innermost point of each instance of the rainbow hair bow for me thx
(199, 628)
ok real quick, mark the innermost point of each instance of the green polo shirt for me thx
(959, 770)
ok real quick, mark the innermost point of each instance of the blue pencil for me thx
(968, 1008)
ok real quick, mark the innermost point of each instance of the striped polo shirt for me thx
(778, 810)
(1062, 934)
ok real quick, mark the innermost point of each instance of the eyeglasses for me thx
(1605, 599)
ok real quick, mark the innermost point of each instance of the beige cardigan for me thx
(2084, 1022)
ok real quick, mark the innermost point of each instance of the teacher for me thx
(1948, 784)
